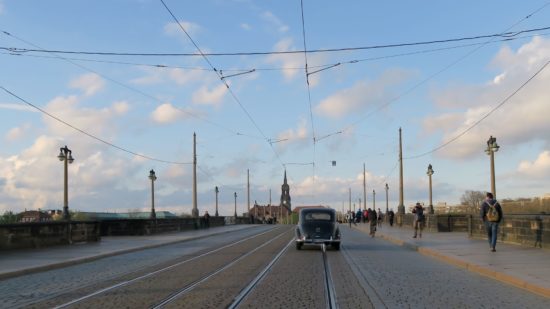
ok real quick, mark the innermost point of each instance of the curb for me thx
(479, 269)
(76, 261)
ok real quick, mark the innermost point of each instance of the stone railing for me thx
(121, 227)
(43, 234)
(531, 230)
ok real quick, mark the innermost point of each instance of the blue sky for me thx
(267, 119)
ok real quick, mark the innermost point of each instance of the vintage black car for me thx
(317, 226)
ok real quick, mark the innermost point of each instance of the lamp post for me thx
(373, 200)
(430, 172)
(492, 147)
(153, 177)
(387, 188)
(235, 194)
(65, 154)
(217, 191)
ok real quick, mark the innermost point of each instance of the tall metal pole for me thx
(153, 177)
(493, 185)
(373, 200)
(349, 199)
(492, 147)
(235, 194)
(364, 187)
(401, 206)
(195, 211)
(66, 215)
(387, 188)
(270, 211)
(217, 191)
(430, 173)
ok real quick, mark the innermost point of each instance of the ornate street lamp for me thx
(492, 147)
(153, 177)
(217, 191)
(65, 155)
(373, 200)
(430, 172)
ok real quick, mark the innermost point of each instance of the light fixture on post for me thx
(153, 177)
(430, 172)
(65, 155)
(492, 147)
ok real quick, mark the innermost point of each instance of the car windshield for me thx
(317, 216)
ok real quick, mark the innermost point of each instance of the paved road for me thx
(367, 273)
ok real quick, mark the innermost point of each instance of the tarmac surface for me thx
(522, 266)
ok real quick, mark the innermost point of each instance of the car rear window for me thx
(317, 216)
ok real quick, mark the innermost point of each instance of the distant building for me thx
(34, 216)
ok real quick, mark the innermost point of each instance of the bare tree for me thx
(473, 200)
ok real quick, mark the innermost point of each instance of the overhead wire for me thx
(511, 95)
(320, 68)
(193, 115)
(290, 52)
(87, 133)
(233, 95)
(308, 91)
(438, 72)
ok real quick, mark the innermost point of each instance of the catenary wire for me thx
(86, 133)
(193, 115)
(306, 71)
(319, 68)
(343, 49)
(445, 68)
(233, 95)
(485, 116)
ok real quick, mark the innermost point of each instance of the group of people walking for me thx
(490, 212)
(371, 216)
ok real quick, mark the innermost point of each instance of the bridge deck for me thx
(523, 266)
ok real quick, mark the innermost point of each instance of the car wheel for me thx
(336, 246)
(298, 246)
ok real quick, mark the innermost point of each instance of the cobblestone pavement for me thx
(64, 283)
(397, 277)
(367, 272)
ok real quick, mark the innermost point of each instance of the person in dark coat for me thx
(373, 220)
(391, 215)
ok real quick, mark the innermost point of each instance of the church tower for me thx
(285, 195)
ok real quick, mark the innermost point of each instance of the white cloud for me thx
(98, 122)
(246, 26)
(540, 168)
(289, 62)
(360, 96)
(89, 83)
(17, 107)
(167, 113)
(521, 119)
(275, 21)
(209, 97)
(174, 29)
(299, 136)
(17, 133)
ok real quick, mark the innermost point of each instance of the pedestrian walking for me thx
(373, 218)
(391, 215)
(491, 214)
(380, 217)
(418, 212)
(206, 219)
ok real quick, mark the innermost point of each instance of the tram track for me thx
(159, 283)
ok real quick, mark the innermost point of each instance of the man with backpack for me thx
(418, 212)
(491, 214)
